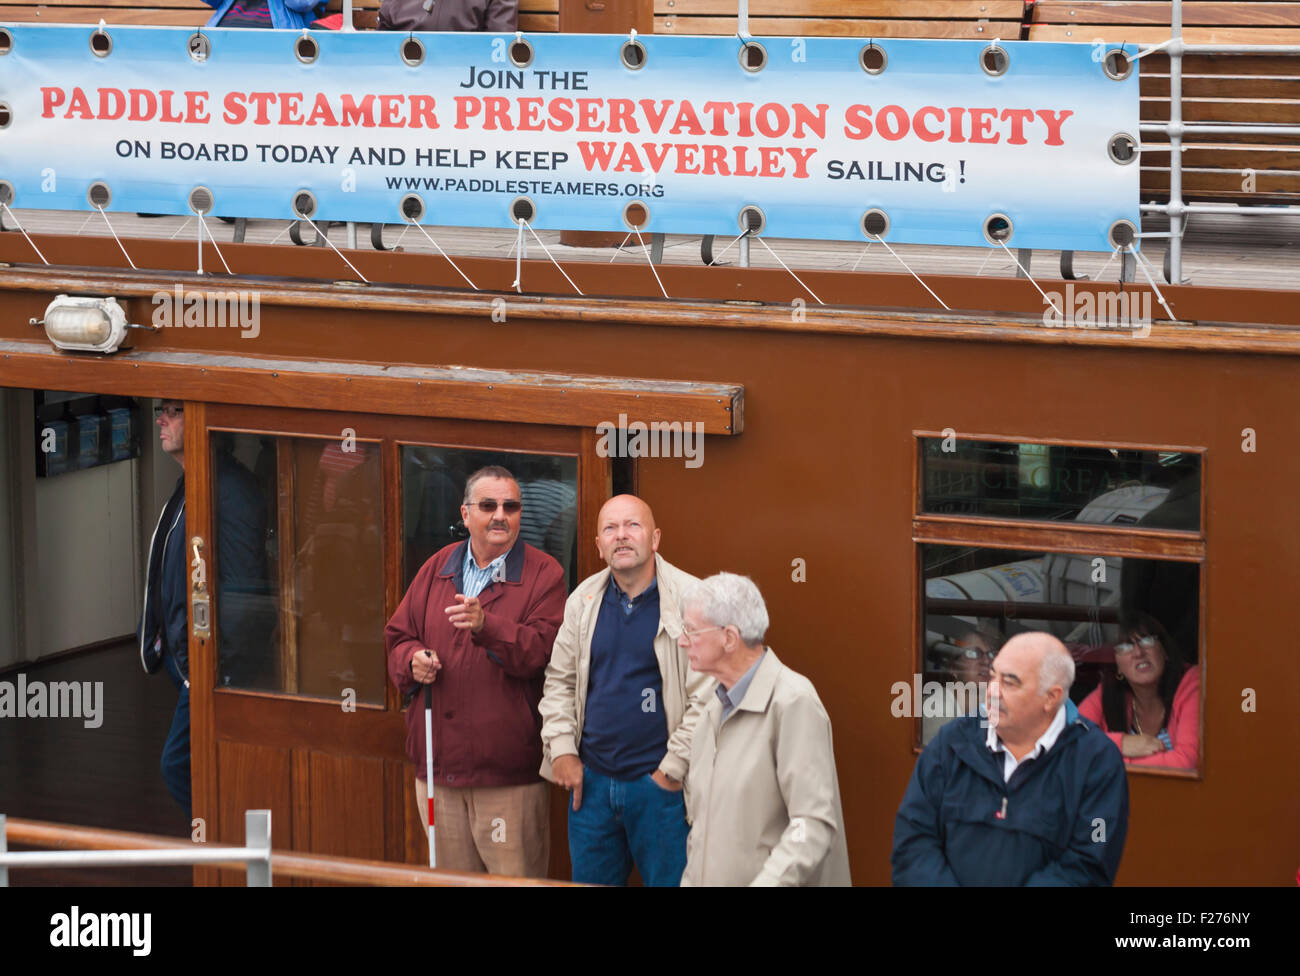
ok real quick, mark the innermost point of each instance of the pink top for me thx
(1183, 723)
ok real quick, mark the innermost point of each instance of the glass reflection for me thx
(1131, 625)
(1054, 482)
(433, 487)
(307, 619)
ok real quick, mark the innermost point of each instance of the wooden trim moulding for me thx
(1058, 537)
(1000, 309)
(449, 392)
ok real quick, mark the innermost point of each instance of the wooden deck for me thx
(1226, 250)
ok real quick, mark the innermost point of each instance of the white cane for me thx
(428, 764)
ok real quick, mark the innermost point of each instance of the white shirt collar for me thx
(1045, 742)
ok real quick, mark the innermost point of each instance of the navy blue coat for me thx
(243, 598)
(1066, 811)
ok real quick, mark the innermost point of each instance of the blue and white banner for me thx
(831, 138)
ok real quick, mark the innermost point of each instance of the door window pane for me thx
(433, 487)
(1055, 482)
(304, 515)
(1101, 607)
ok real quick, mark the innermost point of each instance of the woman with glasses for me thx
(1150, 705)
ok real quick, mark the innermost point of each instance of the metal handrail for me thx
(255, 854)
(1175, 128)
(284, 864)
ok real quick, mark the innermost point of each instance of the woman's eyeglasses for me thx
(488, 506)
(1146, 642)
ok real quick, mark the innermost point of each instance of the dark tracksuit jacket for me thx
(1066, 811)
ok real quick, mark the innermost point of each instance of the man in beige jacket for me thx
(619, 706)
(764, 800)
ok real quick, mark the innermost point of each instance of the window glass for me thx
(433, 487)
(300, 589)
(1054, 482)
(1130, 624)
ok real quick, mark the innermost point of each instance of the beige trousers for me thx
(494, 829)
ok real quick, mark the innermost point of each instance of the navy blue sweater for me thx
(1066, 812)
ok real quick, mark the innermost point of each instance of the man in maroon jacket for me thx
(477, 624)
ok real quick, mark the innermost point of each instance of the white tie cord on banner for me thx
(1154, 287)
(325, 238)
(1003, 244)
(900, 260)
(116, 238)
(517, 283)
(787, 268)
(443, 253)
(25, 234)
(650, 262)
(203, 226)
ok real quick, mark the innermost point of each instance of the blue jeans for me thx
(176, 750)
(622, 821)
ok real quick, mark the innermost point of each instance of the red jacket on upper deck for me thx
(486, 731)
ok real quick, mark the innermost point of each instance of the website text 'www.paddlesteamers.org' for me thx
(550, 188)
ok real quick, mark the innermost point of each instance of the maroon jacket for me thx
(486, 731)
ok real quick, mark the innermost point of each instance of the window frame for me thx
(990, 532)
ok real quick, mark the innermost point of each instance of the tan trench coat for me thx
(564, 697)
(764, 800)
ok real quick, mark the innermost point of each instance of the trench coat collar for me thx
(454, 569)
(761, 686)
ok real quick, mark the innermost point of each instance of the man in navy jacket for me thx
(1039, 797)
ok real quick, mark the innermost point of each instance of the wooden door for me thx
(308, 528)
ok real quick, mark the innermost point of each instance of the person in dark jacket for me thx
(476, 625)
(1040, 797)
(164, 619)
(492, 16)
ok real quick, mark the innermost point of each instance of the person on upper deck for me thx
(278, 14)
(491, 16)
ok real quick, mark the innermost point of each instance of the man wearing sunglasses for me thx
(477, 625)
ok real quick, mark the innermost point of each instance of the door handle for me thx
(200, 604)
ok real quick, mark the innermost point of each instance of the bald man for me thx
(1029, 796)
(620, 705)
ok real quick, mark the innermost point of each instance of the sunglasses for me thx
(488, 506)
(170, 410)
(1126, 647)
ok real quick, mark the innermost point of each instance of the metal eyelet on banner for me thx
(875, 223)
(199, 46)
(636, 215)
(6, 41)
(522, 208)
(98, 195)
(305, 48)
(873, 59)
(751, 219)
(994, 59)
(1122, 233)
(521, 51)
(632, 53)
(101, 42)
(1122, 148)
(1117, 64)
(6, 115)
(304, 203)
(201, 200)
(412, 208)
(752, 56)
(998, 228)
(412, 51)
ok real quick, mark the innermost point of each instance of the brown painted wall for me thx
(823, 471)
